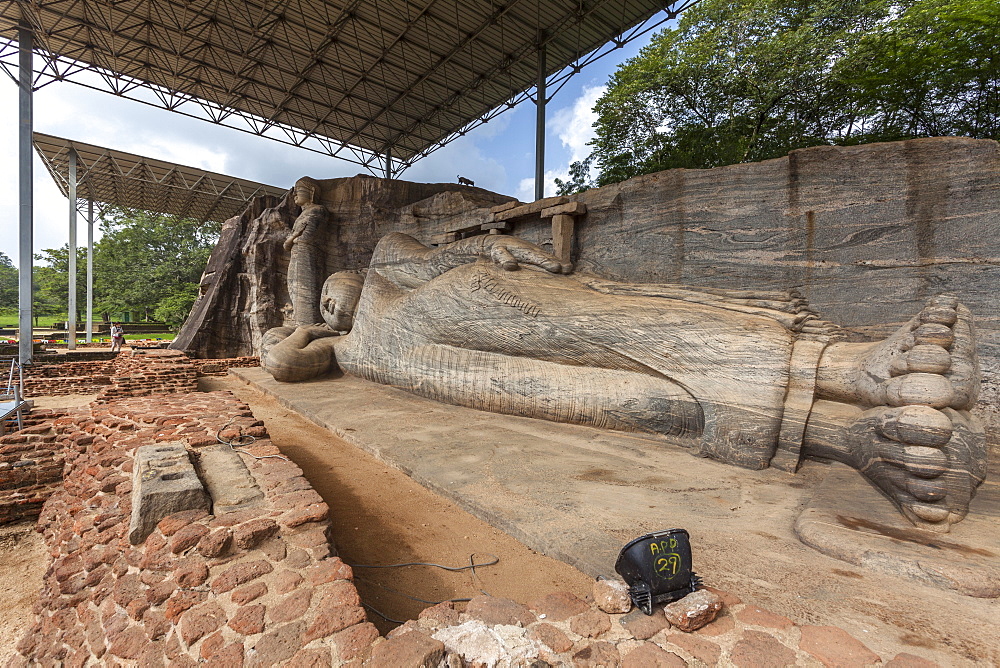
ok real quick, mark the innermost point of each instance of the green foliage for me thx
(932, 71)
(174, 308)
(579, 179)
(8, 284)
(747, 80)
(52, 281)
(145, 258)
(144, 262)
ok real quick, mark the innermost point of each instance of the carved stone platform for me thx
(579, 494)
(849, 520)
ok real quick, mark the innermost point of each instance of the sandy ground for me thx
(22, 564)
(380, 516)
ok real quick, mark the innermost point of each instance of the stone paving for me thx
(264, 586)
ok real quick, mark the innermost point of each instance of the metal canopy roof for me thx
(351, 78)
(131, 181)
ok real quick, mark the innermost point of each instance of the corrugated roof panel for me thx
(136, 182)
(407, 72)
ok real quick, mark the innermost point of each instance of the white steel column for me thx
(71, 314)
(24, 169)
(90, 270)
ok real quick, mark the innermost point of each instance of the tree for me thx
(932, 71)
(174, 308)
(8, 284)
(51, 280)
(148, 260)
(747, 80)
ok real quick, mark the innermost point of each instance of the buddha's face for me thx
(303, 194)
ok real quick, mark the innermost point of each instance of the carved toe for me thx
(916, 425)
(919, 389)
(925, 358)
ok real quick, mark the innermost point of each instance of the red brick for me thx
(355, 641)
(312, 658)
(240, 574)
(286, 581)
(250, 534)
(330, 620)
(127, 589)
(329, 570)
(215, 543)
(279, 645)
(159, 593)
(128, 644)
(311, 513)
(230, 656)
(156, 623)
(755, 648)
(244, 595)
(835, 647)
(552, 637)
(650, 655)
(187, 537)
(248, 620)
(291, 607)
(192, 573)
(590, 624)
(409, 649)
(201, 620)
(695, 611)
(181, 601)
(211, 645)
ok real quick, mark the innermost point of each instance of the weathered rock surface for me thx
(693, 611)
(913, 218)
(164, 482)
(244, 290)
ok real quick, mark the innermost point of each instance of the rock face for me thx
(244, 289)
(866, 233)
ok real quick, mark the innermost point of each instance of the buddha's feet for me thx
(928, 461)
(930, 361)
(902, 414)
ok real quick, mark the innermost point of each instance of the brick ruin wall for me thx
(128, 374)
(31, 467)
(265, 586)
(200, 585)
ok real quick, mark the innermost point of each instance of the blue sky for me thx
(498, 156)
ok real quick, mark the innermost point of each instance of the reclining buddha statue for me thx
(752, 379)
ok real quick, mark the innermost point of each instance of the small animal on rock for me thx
(462, 181)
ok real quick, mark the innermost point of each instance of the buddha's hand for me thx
(511, 252)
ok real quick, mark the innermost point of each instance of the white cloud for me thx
(574, 125)
(526, 190)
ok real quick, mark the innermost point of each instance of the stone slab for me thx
(227, 479)
(845, 520)
(579, 494)
(163, 482)
(530, 209)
